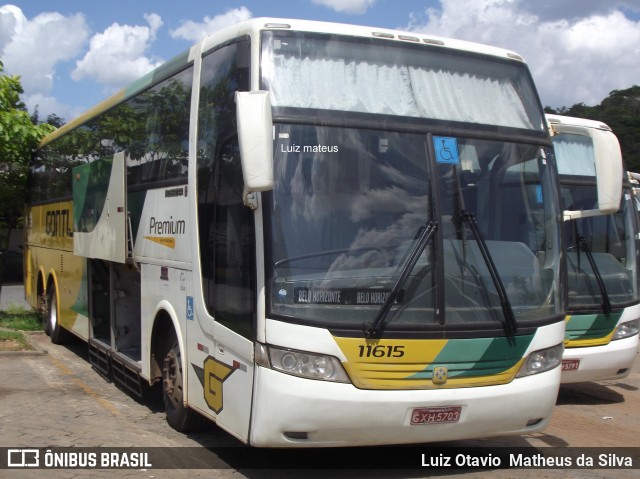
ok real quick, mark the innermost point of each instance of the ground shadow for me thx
(589, 393)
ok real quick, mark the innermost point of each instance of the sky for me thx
(71, 54)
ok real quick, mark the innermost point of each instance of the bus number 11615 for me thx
(380, 351)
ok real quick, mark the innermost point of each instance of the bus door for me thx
(100, 214)
(220, 337)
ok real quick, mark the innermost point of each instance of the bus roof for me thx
(574, 121)
(252, 28)
(256, 25)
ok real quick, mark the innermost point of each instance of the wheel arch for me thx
(165, 321)
(41, 284)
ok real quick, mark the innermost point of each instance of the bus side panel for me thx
(49, 254)
(161, 228)
(161, 224)
(221, 375)
(163, 290)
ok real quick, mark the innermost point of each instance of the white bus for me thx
(601, 338)
(313, 234)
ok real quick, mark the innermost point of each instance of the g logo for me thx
(215, 373)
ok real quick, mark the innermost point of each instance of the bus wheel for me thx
(179, 417)
(58, 335)
(43, 311)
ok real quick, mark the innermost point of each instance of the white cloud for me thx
(12, 21)
(577, 59)
(194, 31)
(47, 105)
(116, 56)
(549, 10)
(27, 49)
(346, 6)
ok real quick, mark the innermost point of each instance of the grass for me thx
(13, 320)
(13, 341)
(19, 319)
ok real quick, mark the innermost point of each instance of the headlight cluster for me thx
(626, 329)
(542, 360)
(302, 364)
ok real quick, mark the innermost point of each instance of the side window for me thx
(152, 128)
(51, 168)
(157, 143)
(226, 227)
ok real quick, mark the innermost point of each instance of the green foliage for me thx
(20, 320)
(13, 320)
(8, 336)
(18, 137)
(621, 111)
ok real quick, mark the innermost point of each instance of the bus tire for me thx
(179, 417)
(43, 311)
(57, 333)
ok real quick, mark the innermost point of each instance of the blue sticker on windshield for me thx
(446, 149)
(539, 197)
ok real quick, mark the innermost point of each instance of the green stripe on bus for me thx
(590, 326)
(479, 356)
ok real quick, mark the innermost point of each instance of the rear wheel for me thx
(58, 335)
(179, 417)
(43, 311)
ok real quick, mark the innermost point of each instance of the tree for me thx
(18, 137)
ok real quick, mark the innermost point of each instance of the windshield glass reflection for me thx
(349, 204)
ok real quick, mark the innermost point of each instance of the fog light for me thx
(534, 422)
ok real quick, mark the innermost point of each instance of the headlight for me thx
(626, 329)
(542, 360)
(301, 363)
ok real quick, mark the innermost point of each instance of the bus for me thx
(314, 234)
(603, 310)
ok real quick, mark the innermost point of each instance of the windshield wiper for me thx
(371, 330)
(606, 304)
(510, 318)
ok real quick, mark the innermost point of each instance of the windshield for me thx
(612, 244)
(351, 204)
(602, 253)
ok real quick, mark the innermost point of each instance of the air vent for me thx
(382, 35)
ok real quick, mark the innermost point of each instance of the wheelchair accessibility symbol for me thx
(190, 308)
(446, 149)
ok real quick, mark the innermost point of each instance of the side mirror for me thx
(255, 137)
(607, 158)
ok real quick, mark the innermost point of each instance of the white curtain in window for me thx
(574, 155)
(335, 84)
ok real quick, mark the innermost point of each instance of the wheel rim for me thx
(53, 313)
(172, 378)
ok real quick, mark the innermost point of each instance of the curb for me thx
(26, 352)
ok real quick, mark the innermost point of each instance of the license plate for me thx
(570, 364)
(435, 415)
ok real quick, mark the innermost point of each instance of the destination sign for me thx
(349, 296)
